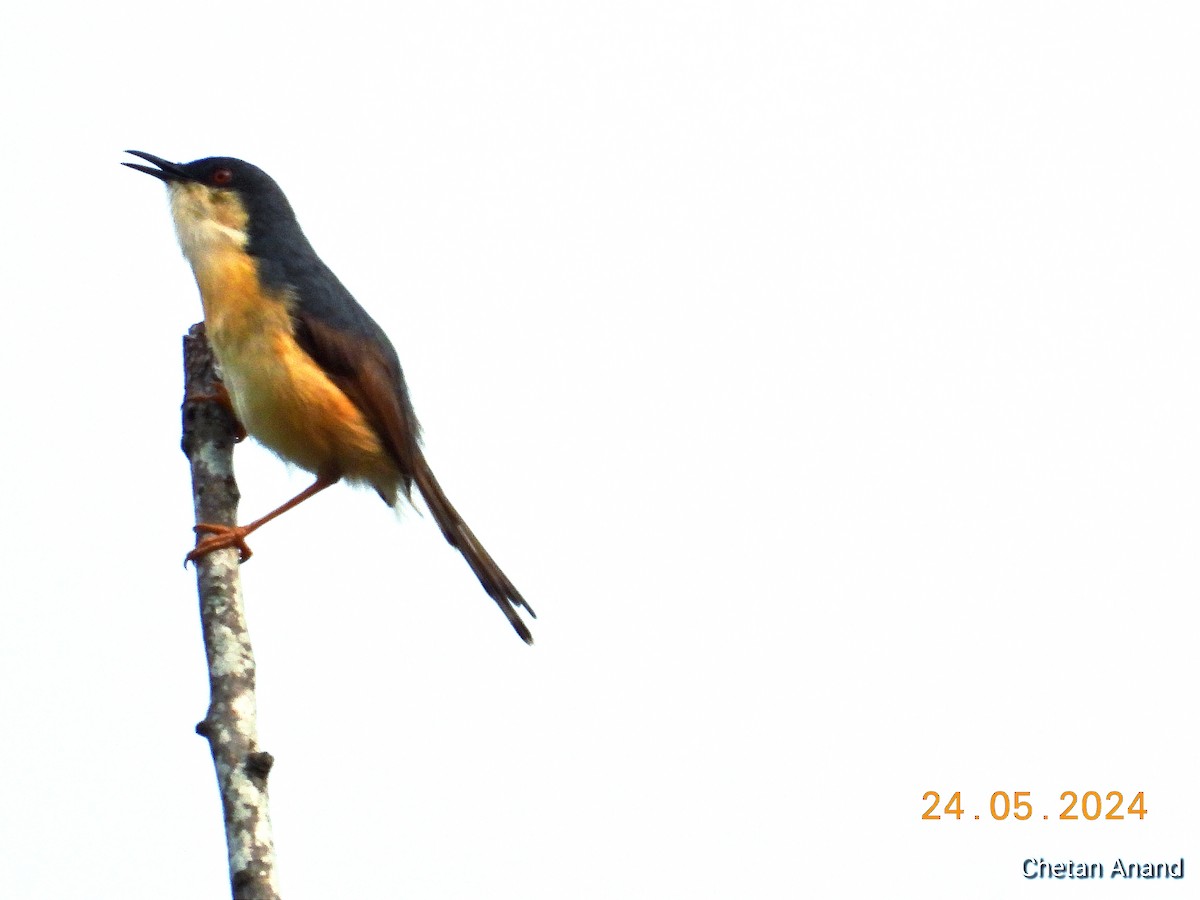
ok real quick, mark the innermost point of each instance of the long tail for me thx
(494, 581)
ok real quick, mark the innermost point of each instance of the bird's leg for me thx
(220, 396)
(222, 536)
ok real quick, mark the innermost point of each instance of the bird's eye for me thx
(222, 177)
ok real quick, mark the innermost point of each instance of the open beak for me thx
(166, 171)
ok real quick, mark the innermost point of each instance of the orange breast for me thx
(281, 395)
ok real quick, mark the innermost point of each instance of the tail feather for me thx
(494, 581)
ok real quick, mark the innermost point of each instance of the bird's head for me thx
(220, 203)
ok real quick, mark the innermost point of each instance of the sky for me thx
(824, 375)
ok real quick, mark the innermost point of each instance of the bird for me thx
(305, 369)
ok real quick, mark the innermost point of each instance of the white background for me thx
(825, 375)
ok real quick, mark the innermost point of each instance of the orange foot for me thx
(220, 396)
(220, 537)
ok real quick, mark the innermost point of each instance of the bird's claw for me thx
(220, 396)
(220, 537)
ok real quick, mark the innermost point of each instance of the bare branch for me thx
(230, 725)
